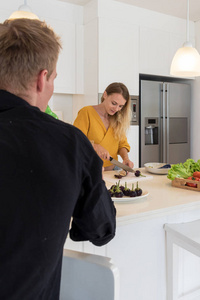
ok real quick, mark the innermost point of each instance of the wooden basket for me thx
(181, 183)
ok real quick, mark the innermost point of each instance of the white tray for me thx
(130, 199)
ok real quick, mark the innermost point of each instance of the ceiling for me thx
(175, 8)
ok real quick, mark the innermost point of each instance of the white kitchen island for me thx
(138, 248)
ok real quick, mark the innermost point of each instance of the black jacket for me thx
(49, 173)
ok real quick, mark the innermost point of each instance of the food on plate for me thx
(115, 191)
(184, 170)
(167, 166)
(120, 191)
(138, 190)
(126, 190)
(132, 192)
(122, 187)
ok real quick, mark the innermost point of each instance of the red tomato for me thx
(190, 183)
(196, 174)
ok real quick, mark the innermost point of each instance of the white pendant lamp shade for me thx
(186, 61)
(24, 11)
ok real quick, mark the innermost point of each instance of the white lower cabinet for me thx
(138, 250)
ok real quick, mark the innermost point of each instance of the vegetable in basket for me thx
(184, 170)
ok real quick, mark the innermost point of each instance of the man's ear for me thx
(41, 79)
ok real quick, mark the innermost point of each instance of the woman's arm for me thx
(101, 151)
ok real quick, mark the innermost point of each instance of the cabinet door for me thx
(154, 52)
(65, 80)
(118, 54)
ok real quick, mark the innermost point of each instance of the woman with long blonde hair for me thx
(106, 124)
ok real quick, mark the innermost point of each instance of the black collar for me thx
(8, 100)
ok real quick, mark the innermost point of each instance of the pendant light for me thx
(24, 11)
(186, 62)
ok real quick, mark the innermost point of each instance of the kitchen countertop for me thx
(163, 198)
(138, 248)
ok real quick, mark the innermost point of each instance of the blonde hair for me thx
(120, 121)
(26, 48)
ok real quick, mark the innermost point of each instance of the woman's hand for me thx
(101, 151)
(124, 155)
(128, 162)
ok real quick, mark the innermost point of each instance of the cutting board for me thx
(108, 176)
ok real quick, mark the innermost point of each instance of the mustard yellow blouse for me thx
(90, 123)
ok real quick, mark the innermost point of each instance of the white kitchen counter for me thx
(163, 198)
(138, 248)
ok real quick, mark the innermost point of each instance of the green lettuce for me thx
(184, 170)
(192, 166)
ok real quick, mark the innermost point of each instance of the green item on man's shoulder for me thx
(50, 112)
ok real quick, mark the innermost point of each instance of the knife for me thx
(122, 166)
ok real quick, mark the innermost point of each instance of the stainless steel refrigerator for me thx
(164, 122)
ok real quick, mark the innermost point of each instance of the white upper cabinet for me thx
(118, 54)
(69, 78)
(157, 49)
(65, 81)
(154, 51)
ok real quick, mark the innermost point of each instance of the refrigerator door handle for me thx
(163, 125)
(167, 116)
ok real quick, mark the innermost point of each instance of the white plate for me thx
(130, 199)
(154, 168)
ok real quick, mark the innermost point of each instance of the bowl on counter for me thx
(156, 168)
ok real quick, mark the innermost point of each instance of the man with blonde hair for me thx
(49, 172)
